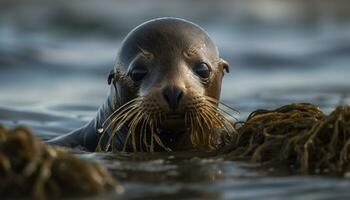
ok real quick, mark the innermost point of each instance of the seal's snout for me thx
(172, 95)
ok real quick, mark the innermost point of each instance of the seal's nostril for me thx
(172, 96)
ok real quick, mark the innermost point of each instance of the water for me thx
(53, 77)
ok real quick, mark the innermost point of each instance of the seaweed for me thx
(30, 167)
(298, 135)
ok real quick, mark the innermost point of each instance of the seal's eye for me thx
(138, 73)
(202, 70)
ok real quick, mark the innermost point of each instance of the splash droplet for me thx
(100, 130)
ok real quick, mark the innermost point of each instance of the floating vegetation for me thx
(143, 117)
(299, 135)
(29, 167)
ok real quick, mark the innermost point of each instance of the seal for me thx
(164, 94)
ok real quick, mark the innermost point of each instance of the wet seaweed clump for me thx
(31, 169)
(299, 135)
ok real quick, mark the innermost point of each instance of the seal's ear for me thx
(224, 64)
(111, 76)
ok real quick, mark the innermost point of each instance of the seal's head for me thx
(168, 78)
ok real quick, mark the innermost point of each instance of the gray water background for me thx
(55, 57)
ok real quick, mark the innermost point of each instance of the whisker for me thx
(120, 117)
(192, 135)
(214, 115)
(121, 108)
(200, 126)
(216, 121)
(119, 120)
(157, 138)
(118, 126)
(207, 121)
(144, 130)
(224, 111)
(221, 117)
(132, 128)
(207, 136)
(222, 103)
(194, 127)
(202, 118)
(123, 118)
(151, 127)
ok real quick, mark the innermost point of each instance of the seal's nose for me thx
(172, 96)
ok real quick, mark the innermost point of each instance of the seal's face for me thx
(174, 69)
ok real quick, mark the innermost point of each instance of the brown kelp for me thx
(203, 116)
(299, 135)
(29, 167)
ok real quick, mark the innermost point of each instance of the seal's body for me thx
(167, 71)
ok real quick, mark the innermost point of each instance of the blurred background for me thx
(55, 55)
